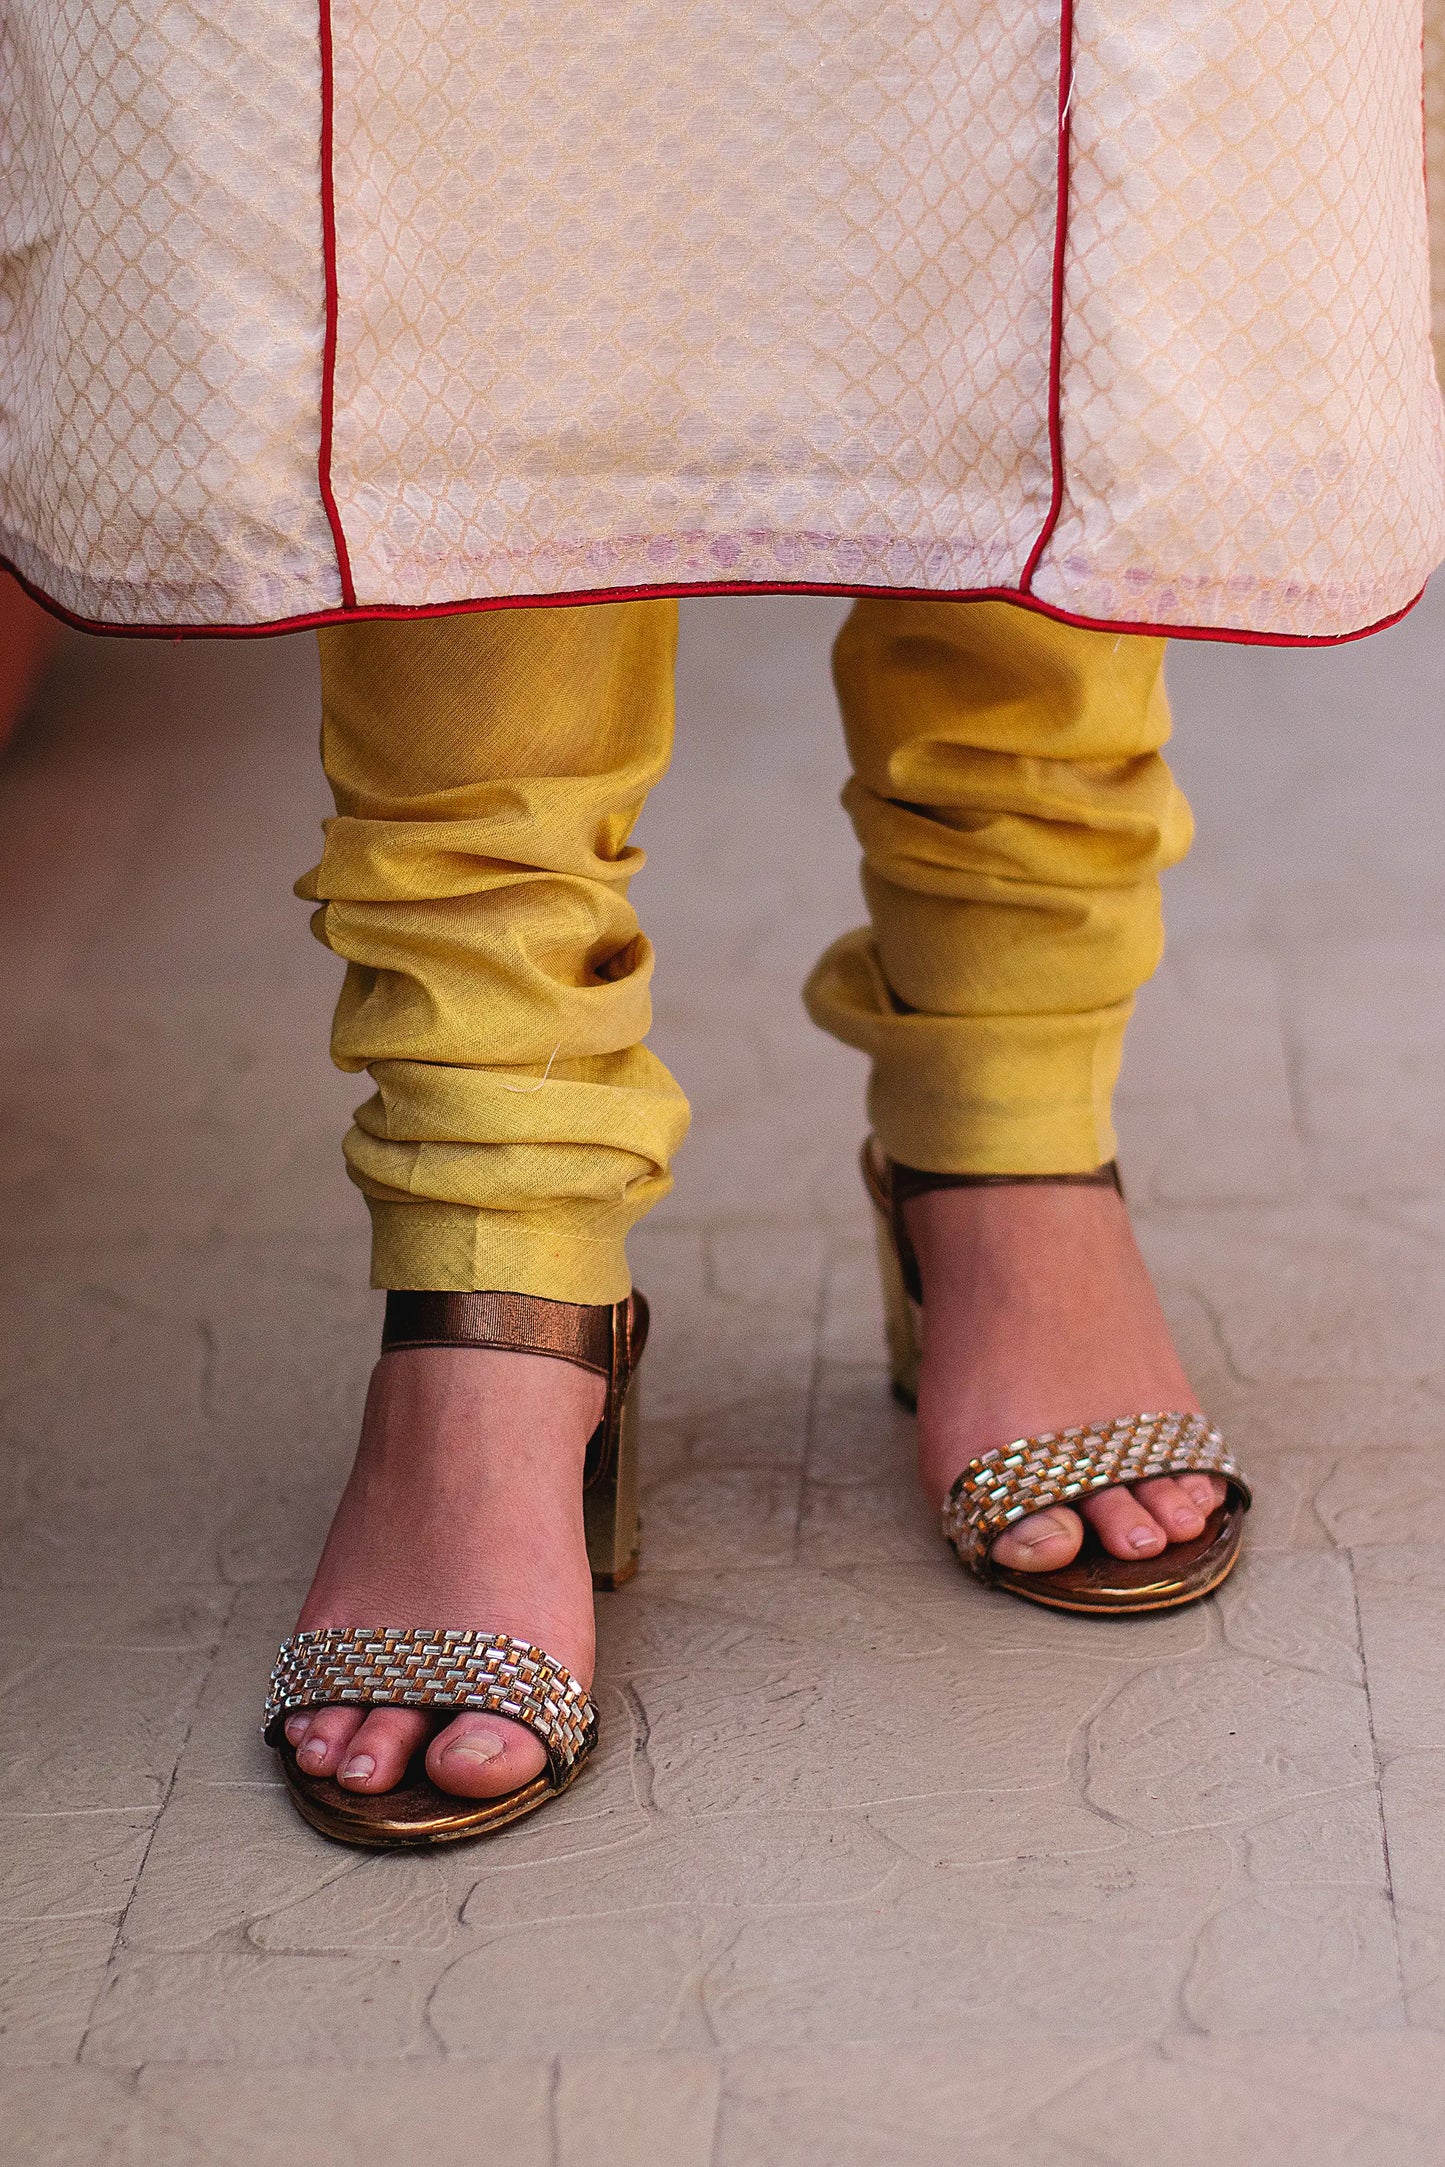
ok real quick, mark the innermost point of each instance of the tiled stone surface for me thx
(1368, 1020)
(226, 2007)
(58, 2115)
(1285, 2102)
(1205, 1110)
(63, 1865)
(872, 1866)
(333, 2113)
(51, 1971)
(127, 1671)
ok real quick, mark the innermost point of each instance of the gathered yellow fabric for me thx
(487, 772)
(1014, 813)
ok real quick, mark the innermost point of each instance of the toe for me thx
(377, 1757)
(1123, 1526)
(320, 1738)
(1207, 1492)
(1041, 1543)
(1166, 1500)
(481, 1756)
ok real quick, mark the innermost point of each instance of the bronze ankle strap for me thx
(605, 1337)
(910, 1181)
(578, 1332)
(892, 1185)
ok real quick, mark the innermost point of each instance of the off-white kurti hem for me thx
(1122, 308)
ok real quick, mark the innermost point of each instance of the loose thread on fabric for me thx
(524, 1091)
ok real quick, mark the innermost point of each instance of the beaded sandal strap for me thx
(1060, 1467)
(455, 1670)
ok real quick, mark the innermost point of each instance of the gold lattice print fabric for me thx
(753, 292)
(162, 308)
(665, 293)
(408, 1667)
(1434, 51)
(1056, 1469)
(1250, 410)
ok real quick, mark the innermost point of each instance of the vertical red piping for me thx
(1056, 319)
(328, 351)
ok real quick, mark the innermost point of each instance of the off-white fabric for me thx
(162, 308)
(1252, 429)
(650, 293)
(721, 291)
(1434, 48)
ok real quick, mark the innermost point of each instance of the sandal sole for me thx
(1097, 1585)
(414, 1816)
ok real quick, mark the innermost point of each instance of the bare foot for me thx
(464, 1508)
(1039, 1314)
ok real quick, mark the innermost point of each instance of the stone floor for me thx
(874, 1866)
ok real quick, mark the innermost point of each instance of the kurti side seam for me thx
(328, 351)
(1056, 306)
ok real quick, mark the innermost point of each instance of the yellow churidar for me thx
(1014, 814)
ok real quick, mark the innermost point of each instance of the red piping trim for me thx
(352, 612)
(1056, 302)
(328, 351)
(372, 612)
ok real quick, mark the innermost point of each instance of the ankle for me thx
(1006, 1231)
(446, 1403)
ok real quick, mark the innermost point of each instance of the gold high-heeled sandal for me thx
(451, 1670)
(1060, 1467)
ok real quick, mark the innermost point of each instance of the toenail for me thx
(296, 1729)
(1143, 1538)
(361, 1764)
(312, 1754)
(1033, 1536)
(476, 1746)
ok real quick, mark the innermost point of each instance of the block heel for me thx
(610, 1495)
(902, 1316)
